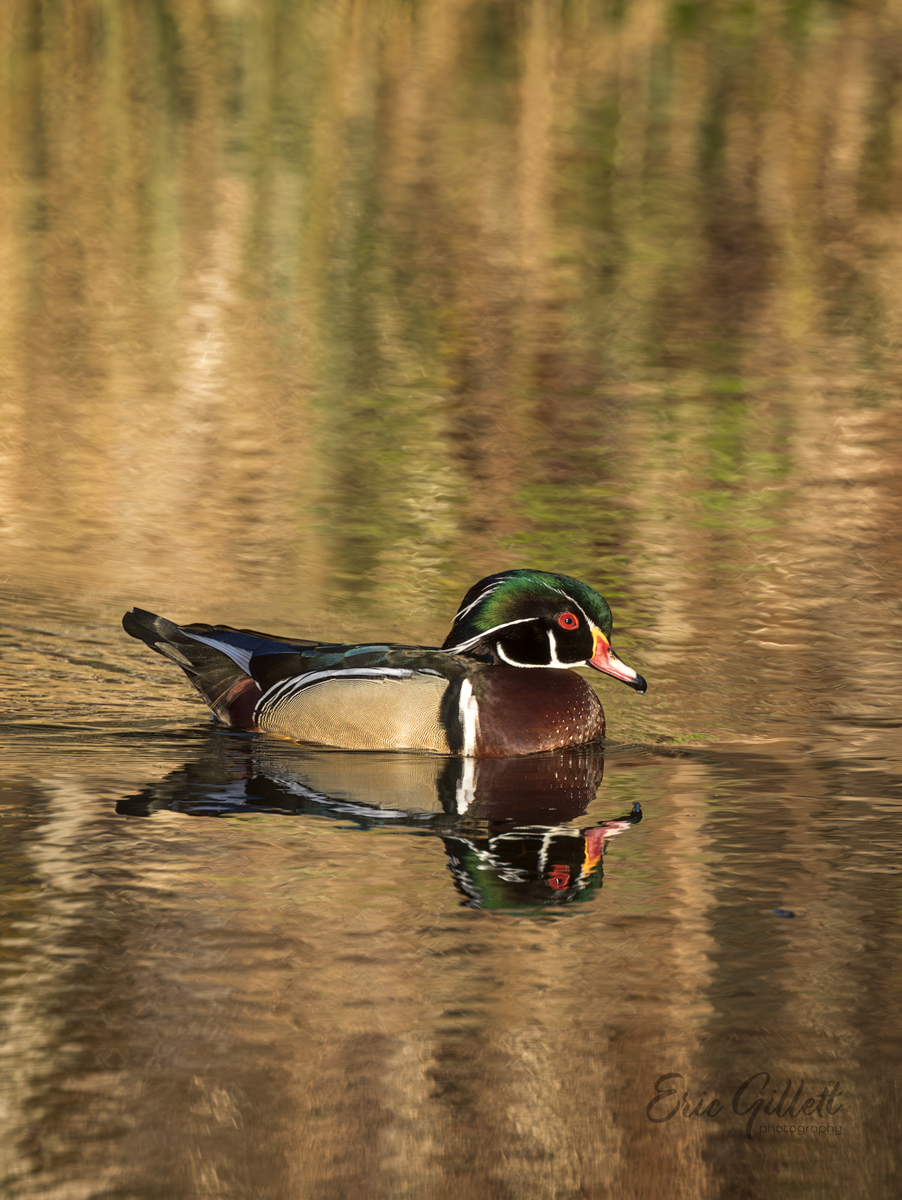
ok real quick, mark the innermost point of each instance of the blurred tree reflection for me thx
(367, 299)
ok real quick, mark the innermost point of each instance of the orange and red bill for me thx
(604, 659)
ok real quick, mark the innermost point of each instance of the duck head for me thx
(529, 618)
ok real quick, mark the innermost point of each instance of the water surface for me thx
(314, 316)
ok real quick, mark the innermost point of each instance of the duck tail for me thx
(221, 680)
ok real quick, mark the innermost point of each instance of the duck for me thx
(501, 685)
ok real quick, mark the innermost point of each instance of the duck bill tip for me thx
(605, 660)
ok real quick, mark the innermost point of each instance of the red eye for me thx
(568, 621)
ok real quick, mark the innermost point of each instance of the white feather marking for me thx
(543, 850)
(555, 661)
(462, 612)
(237, 654)
(469, 717)
(461, 646)
(575, 603)
(298, 683)
(466, 788)
(314, 677)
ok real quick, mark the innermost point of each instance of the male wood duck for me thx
(498, 687)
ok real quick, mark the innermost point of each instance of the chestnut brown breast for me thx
(527, 711)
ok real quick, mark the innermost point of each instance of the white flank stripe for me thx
(469, 717)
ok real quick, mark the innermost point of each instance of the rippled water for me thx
(314, 315)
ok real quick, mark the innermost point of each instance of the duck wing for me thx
(233, 668)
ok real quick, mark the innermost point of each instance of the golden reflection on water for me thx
(313, 315)
(264, 1005)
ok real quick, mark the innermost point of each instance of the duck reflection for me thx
(509, 826)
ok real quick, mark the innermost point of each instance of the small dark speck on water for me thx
(782, 912)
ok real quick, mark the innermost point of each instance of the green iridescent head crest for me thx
(519, 595)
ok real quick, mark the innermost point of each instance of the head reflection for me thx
(518, 844)
(511, 827)
(532, 867)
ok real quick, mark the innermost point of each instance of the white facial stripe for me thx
(512, 662)
(543, 851)
(461, 646)
(583, 611)
(572, 601)
(552, 588)
(469, 717)
(555, 661)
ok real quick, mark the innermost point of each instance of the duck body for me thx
(499, 686)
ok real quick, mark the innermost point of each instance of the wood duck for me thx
(498, 687)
